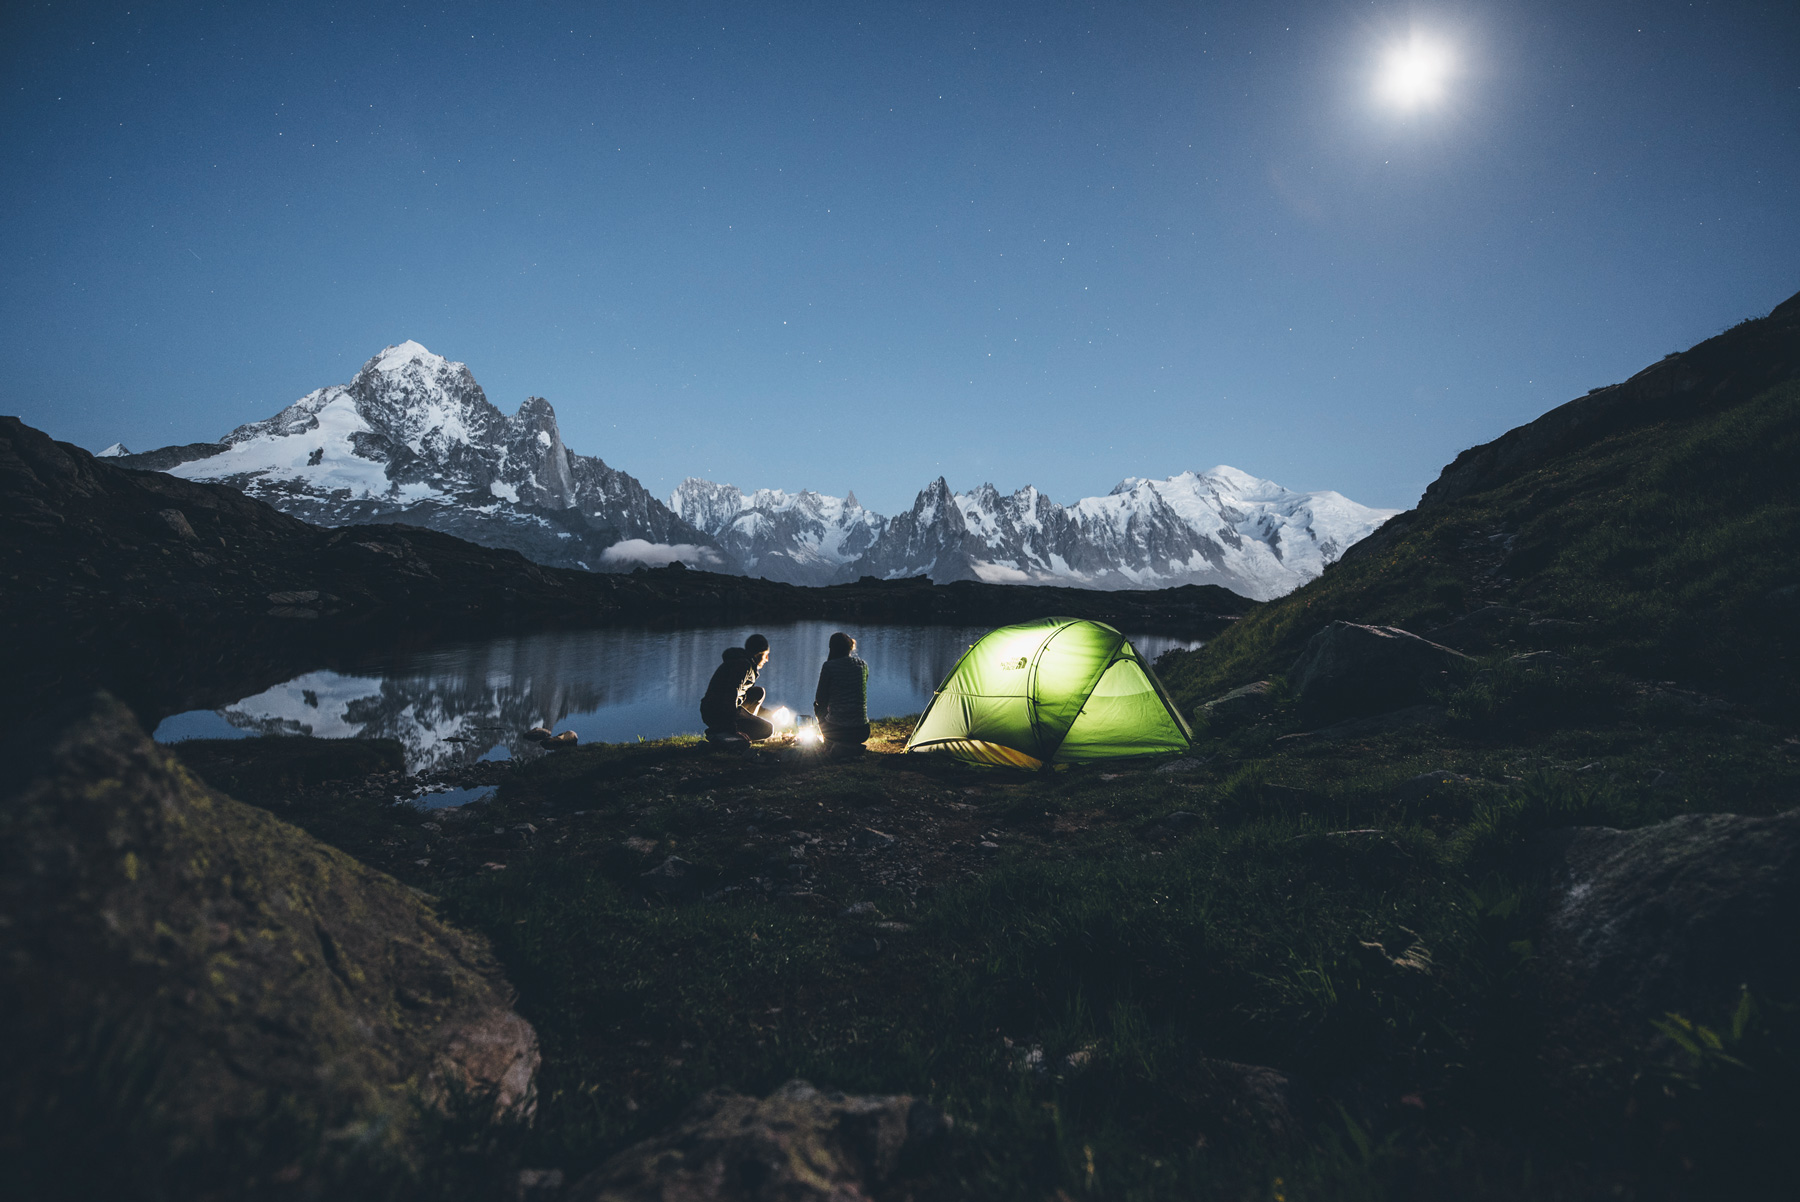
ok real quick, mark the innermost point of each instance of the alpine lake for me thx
(473, 700)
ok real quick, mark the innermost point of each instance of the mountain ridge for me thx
(1222, 526)
(412, 439)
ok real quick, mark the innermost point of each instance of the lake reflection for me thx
(471, 701)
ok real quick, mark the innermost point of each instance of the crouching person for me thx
(733, 698)
(842, 701)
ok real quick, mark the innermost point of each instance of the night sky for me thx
(846, 245)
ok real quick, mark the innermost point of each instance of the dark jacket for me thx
(725, 691)
(842, 699)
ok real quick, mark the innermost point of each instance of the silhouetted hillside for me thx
(1650, 529)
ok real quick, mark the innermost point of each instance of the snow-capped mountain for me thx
(800, 538)
(113, 452)
(412, 438)
(1222, 527)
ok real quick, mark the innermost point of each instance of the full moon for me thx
(1413, 75)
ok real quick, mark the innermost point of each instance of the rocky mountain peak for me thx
(425, 401)
(536, 410)
(933, 501)
(798, 538)
(412, 437)
(408, 353)
(705, 505)
(537, 464)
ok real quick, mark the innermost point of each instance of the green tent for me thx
(1054, 691)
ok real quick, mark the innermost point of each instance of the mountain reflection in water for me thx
(470, 701)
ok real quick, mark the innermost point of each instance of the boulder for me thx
(178, 524)
(1347, 669)
(1675, 916)
(1245, 1100)
(1241, 705)
(799, 1144)
(674, 878)
(267, 1004)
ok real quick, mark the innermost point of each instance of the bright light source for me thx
(782, 718)
(1413, 75)
(810, 734)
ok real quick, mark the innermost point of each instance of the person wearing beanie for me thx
(733, 698)
(842, 701)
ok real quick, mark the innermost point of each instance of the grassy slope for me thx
(1371, 967)
(1667, 538)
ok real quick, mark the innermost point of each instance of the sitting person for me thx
(842, 701)
(733, 697)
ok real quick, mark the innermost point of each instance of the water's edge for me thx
(473, 699)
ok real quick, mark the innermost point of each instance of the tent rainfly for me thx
(1053, 691)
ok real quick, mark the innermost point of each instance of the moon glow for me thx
(1413, 75)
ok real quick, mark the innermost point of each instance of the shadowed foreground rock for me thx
(1254, 700)
(195, 984)
(797, 1145)
(1347, 669)
(1676, 916)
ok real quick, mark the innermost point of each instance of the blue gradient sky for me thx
(858, 246)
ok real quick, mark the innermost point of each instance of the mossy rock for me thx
(799, 1144)
(211, 997)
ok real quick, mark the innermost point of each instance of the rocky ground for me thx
(879, 824)
(1215, 968)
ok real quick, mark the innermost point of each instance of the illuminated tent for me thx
(1054, 691)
